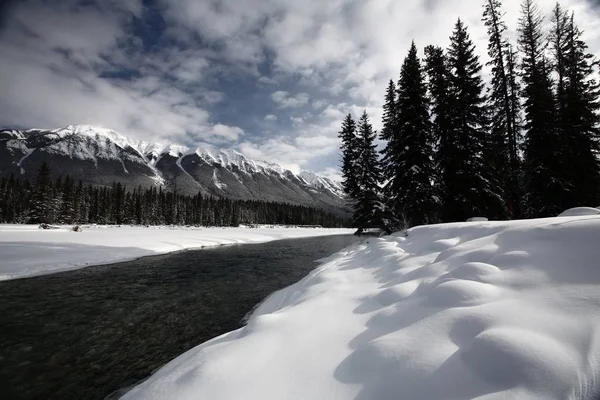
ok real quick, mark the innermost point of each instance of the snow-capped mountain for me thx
(100, 156)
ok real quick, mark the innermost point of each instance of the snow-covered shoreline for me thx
(26, 250)
(481, 310)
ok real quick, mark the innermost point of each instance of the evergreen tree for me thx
(42, 203)
(440, 95)
(409, 151)
(559, 47)
(387, 132)
(67, 210)
(350, 157)
(543, 181)
(470, 190)
(369, 211)
(515, 195)
(502, 151)
(580, 119)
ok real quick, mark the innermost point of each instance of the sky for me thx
(270, 78)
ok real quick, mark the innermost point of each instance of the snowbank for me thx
(579, 212)
(26, 250)
(485, 310)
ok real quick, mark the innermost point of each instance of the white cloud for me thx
(339, 54)
(265, 80)
(296, 120)
(287, 100)
(52, 77)
(332, 173)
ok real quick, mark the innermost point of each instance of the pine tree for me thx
(42, 202)
(67, 210)
(387, 132)
(502, 151)
(580, 119)
(514, 96)
(440, 95)
(559, 47)
(350, 157)
(409, 151)
(369, 211)
(544, 184)
(470, 190)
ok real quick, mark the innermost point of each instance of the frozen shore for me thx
(26, 250)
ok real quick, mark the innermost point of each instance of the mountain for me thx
(100, 156)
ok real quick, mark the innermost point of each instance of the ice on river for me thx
(478, 310)
(26, 250)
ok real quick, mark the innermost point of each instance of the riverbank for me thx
(494, 310)
(29, 251)
(87, 333)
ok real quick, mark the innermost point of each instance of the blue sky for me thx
(270, 78)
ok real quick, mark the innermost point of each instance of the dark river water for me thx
(85, 334)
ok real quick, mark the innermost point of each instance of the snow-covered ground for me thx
(26, 250)
(479, 310)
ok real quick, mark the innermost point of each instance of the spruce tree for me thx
(580, 119)
(544, 184)
(42, 202)
(350, 157)
(515, 194)
(409, 151)
(440, 95)
(67, 210)
(558, 42)
(387, 132)
(369, 211)
(471, 190)
(502, 151)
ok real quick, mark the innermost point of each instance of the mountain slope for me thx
(100, 156)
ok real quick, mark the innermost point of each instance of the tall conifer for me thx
(409, 151)
(440, 95)
(544, 183)
(580, 121)
(369, 211)
(471, 190)
(503, 156)
(350, 157)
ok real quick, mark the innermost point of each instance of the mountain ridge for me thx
(99, 156)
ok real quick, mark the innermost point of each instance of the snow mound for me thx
(579, 212)
(477, 219)
(494, 310)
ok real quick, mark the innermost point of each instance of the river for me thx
(84, 334)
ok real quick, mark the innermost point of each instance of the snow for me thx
(580, 211)
(217, 182)
(178, 162)
(478, 310)
(28, 152)
(29, 251)
(101, 143)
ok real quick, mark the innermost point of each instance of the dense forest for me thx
(67, 202)
(522, 144)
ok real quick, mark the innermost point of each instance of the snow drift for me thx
(479, 310)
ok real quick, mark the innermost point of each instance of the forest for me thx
(522, 142)
(67, 202)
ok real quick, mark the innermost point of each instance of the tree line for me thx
(523, 146)
(68, 202)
